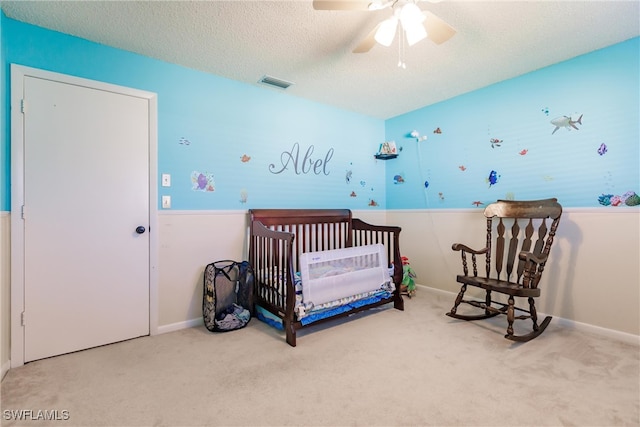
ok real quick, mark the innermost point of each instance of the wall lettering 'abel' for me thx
(308, 164)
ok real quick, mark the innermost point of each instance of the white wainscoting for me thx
(188, 241)
(592, 281)
(592, 278)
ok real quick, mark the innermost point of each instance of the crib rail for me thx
(368, 234)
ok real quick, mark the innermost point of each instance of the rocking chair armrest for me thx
(465, 248)
(529, 256)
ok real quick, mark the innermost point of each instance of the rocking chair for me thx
(523, 264)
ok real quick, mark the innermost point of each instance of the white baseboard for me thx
(5, 368)
(435, 290)
(180, 325)
(567, 323)
(610, 333)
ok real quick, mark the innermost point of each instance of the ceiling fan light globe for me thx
(411, 15)
(387, 31)
(415, 33)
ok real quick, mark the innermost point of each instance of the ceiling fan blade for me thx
(341, 4)
(368, 42)
(438, 31)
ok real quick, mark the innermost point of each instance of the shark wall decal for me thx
(565, 122)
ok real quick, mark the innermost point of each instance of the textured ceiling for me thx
(244, 40)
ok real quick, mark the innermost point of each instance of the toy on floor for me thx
(408, 286)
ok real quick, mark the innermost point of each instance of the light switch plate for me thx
(166, 180)
(166, 202)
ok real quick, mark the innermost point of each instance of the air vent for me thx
(275, 82)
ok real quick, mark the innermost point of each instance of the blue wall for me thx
(258, 147)
(251, 146)
(506, 128)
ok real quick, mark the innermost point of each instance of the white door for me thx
(86, 191)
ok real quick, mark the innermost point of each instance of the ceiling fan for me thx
(415, 23)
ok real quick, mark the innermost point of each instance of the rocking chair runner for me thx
(523, 264)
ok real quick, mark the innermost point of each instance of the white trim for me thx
(567, 323)
(17, 231)
(436, 290)
(17, 76)
(202, 212)
(603, 209)
(598, 330)
(355, 212)
(180, 325)
(5, 369)
(154, 235)
(6, 366)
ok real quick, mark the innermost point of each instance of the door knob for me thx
(140, 229)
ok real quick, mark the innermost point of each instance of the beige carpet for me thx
(385, 368)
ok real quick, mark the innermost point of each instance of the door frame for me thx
(18, 74)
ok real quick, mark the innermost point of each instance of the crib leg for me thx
(291, 333)
(398, 302)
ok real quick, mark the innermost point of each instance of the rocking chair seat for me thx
(501, 286)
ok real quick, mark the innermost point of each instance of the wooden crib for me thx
(279, 236)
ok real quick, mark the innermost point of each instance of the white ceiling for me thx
(244, 40)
